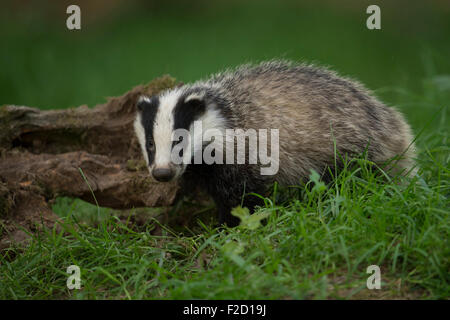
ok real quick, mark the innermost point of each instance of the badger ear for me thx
(143, 102)
(195, 103)
(196, 96)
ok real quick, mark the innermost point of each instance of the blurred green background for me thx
(125, 43)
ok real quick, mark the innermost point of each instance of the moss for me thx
(160, 84)
(140, 185)
(72, 118)
(136, 165)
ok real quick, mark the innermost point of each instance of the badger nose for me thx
(163, 174)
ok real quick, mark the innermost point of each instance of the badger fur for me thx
(318, 114)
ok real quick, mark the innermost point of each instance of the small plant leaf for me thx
(319, 186)
(248, 221)
(241, 213)
(233, 247)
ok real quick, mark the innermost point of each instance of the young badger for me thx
(316, 112)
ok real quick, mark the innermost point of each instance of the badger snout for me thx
(163, 174)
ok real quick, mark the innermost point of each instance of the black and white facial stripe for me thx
(189, 108)
(147, 109)
(157, 119)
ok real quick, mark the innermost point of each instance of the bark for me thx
(77, 152)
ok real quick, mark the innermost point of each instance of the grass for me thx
(317, 242)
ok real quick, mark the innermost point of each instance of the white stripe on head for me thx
(211, 119)
(163, 128)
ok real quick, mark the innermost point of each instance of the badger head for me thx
(158, 124)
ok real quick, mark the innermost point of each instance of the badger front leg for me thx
(228, 199)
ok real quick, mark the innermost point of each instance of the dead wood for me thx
(42, 152)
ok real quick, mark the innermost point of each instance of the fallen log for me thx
(78, 152)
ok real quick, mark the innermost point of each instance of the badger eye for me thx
(150, 144)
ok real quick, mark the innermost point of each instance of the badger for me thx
(316, 114)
